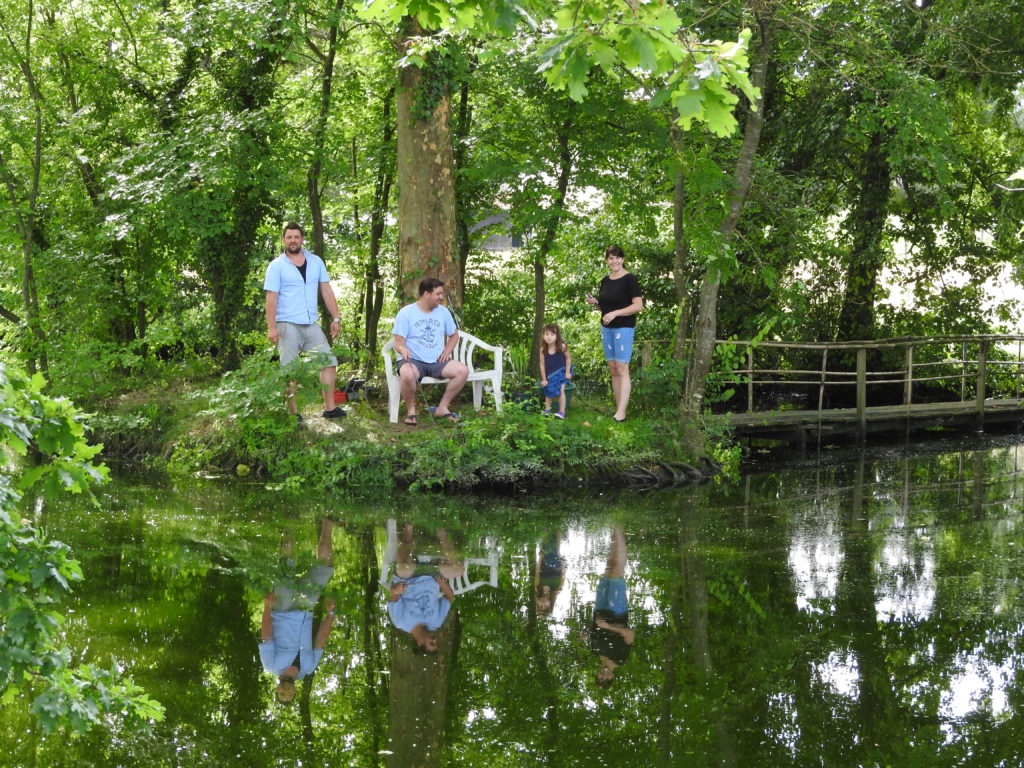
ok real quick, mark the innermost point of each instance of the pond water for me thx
(856, 611)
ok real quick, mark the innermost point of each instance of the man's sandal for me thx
(410, 420)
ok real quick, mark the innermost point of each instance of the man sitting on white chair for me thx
(425, 336)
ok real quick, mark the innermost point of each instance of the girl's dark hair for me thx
(614, 250)
(559, 344)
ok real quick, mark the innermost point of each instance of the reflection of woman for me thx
(619, 301)
(610, 637)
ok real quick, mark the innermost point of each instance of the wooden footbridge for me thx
(889, 385)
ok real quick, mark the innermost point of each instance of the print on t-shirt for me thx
(428, 329)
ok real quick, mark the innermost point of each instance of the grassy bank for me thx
(237, 425)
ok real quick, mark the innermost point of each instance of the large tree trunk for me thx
(554, 218)
(426, 182)
(866, 224)
(703, 347)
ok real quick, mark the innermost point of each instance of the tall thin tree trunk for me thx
(682, 273)
(34, 350)
(426, 182)
(462, 219)
(554, 219)
(374, 294)
(703, 347)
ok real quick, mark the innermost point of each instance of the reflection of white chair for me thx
(463, 353)
(460, 584)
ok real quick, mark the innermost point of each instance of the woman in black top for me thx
(619, 301)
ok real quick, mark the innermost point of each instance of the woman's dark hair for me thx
(614, 250)
(293, 225)
(559, 344)
(430, 284)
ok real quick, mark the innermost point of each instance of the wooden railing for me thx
(966, 363)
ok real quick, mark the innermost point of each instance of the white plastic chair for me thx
(463, 353)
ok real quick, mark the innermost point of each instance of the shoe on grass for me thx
(337, 413)
(560, 415)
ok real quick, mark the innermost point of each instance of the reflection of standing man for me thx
(425, 336)
(292, 282)
(288, 648)
(610, 637)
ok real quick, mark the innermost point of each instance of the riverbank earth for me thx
(237, 426)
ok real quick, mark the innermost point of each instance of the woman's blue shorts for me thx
(617, 343)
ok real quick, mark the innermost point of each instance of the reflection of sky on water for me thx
(906, 536)
(840, 673)
(905, 576)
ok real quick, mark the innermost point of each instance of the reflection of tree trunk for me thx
(696, 594)
(666, 724)
(426, 184)
(371, 638)
(418, 696)
(855, 600)
(703, 346)
(554, 218)
(545, 679)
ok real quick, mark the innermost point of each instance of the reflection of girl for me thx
(619, 301)
(555, 368)
(550, 574)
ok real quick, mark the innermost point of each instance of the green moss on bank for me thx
(237, 425)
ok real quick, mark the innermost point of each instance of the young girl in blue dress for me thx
(555, 368)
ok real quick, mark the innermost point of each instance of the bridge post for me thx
(862, 390)
(979, 390)
(908, 386)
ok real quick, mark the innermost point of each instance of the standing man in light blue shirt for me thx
(292, 282)
(425, 336)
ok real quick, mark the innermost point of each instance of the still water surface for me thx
(864, 611)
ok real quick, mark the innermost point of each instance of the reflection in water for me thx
(610, 637)
(852, 613)
(287, 646)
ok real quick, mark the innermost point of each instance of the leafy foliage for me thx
(36, 575)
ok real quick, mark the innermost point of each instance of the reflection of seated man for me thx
(288, 648)
(420, 599)
(610, 636)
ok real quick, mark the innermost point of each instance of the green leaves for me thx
(643, 39)
(36, 575)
